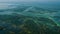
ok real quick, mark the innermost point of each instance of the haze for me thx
(29, 0)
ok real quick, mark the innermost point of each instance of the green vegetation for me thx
(28, 20)
(20, 24)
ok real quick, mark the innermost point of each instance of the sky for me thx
(29, 0)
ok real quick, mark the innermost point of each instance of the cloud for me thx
(27, 0)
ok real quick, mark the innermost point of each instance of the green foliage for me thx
(20, 24)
